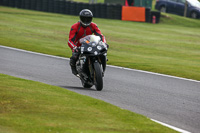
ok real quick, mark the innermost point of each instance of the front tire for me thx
(98, 79)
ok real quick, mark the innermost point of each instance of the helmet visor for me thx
(86, 20)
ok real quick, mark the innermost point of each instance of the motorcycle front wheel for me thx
(98, 79)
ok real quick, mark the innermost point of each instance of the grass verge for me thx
(171, 47)
(87, 1)
(33, 107)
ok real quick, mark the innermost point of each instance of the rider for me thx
(79, 30)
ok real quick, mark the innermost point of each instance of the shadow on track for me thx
(78, 88)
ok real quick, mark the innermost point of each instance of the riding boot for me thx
(73, 66)
(74, 71)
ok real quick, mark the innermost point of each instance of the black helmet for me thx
(86, 17)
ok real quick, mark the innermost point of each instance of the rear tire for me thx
(98, 79)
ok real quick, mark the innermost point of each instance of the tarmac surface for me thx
(171, 100)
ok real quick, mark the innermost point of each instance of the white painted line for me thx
(21, 50)
(153, 73)
(172, 127)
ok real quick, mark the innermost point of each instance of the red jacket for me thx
(77, 32)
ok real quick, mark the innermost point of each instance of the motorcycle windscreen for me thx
(90, 38)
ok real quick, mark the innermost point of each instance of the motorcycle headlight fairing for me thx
(89, 49)
(99, 47)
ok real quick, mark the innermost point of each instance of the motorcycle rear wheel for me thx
(98, 79)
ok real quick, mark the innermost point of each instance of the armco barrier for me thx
(100, 10)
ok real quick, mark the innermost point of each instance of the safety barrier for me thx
(100, 10)
(156, 15)
(132, 13)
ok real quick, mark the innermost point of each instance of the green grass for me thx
(33, 107)
(87, 1)
(171, 47)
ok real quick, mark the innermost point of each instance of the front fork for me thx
(91, 69)
(101, 59)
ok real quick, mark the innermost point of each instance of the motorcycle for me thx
(91, 64)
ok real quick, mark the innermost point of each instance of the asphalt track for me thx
(171, 100)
